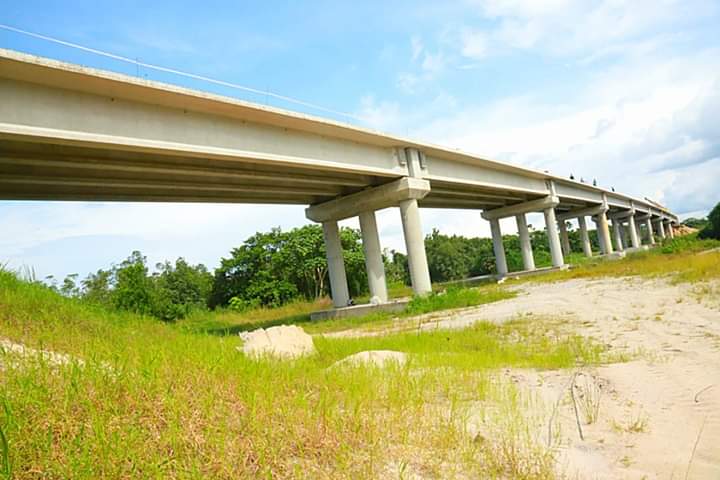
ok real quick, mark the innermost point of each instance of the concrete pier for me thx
(649, 228)
(670, 232)
(525, 245)
(584, 237)
(498, 248)
(604, 233)
(634, 240)
(336, 265)
(661, 230)
(373, 257)
(415, 245)
(564, 239)
(618, 234)
(553, 237)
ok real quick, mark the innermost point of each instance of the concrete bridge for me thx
(73, 133)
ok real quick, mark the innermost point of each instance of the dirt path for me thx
(659, 415)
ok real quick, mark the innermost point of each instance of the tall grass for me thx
(155, 401)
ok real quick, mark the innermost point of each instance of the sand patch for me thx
(285, 341)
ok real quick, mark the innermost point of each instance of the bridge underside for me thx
(31, 169)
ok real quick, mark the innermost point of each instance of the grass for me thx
(677, 258)
(228, 322)
(156, 401)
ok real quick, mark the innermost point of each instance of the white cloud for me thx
(474, 44)
(562, 27)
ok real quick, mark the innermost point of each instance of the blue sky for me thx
(625, 92)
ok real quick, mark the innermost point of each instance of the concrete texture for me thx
(373, 257)
(359, 310)
(336, 264)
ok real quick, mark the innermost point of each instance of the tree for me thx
(132, 288)
(69, 287)
(276, 267)
(712, 229)
(96, 287)
(179, 288)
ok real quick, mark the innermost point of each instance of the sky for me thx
(627, 93)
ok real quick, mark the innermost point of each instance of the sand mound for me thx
(286, 341)
(378, 358)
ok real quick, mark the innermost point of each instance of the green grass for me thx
(678, 258)
(157, 401)
(228, 322)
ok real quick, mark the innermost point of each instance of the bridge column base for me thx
(498, 248)
(584, 237)
(650, 234)
(373, 258)
(618, 235)
(634, 240)
(336, 264)
(415, 245)
(661, 230)
(564, 239)
(525, 245)
(553, 237)
(603, 231)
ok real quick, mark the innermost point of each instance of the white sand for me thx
(286, 341)
(671, 392)
(378, 358)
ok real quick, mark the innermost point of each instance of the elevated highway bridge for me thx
(69, 132)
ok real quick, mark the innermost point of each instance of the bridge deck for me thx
(72, 133)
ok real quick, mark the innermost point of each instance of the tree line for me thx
(276, 267)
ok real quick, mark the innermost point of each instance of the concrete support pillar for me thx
(584, 237)
(661, 229)
(336, 265)
(600, 237)
(648, 226)
(553, 237)
(639, 230)
(670, 231)
(525, 245)
(603, 231)
(564, 240)
(623, 234)
(373, 257)
(617, 231)
(498, 248)
(633, 232)
(415, 245)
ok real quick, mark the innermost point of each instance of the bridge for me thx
(69, 132)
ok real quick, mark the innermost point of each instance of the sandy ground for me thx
(659, 414)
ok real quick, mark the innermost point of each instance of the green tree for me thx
(179, 288)
(132, 288)
(276, 267)
(712, 229)
(69, 287)
(97, 287)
